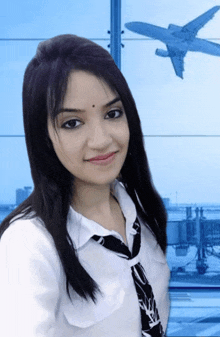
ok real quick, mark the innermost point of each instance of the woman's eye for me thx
(71, 124)
(114, 114)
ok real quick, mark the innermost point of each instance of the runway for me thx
(194, 312)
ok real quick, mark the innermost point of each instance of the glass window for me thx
(44, 19)
(14, 171)
(166, 103)
(23, 25)
(180, 119)
(14, 57)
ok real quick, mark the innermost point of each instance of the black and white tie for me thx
(151, 324)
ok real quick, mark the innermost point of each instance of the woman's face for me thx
(92, 135)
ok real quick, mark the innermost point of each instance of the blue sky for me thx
(186, 167)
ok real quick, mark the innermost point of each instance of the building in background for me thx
(166, 202)
(22, 194)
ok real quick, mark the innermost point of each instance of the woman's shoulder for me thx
(26, 233)
(24, 226)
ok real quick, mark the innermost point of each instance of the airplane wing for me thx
(177, 58)
(194, 26)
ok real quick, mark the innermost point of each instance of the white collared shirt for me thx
(33, 298)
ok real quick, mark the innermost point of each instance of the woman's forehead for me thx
(84, 88)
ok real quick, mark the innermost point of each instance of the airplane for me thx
(179, 40)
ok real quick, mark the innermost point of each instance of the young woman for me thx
(84, 255)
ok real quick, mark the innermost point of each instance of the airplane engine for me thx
(161, 52)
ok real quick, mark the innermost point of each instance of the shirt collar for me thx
(81, 229)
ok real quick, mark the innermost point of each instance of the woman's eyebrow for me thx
(70, 110)
(116, 99)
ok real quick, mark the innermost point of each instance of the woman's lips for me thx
(103, 159)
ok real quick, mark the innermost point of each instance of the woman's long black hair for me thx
(44, 87)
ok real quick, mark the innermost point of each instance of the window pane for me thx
(186, 173)
(185, 169)
(14, 57)
(167, 104)
(14, 170)
(163, 13)
(44, 19)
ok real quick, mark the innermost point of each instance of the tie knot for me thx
(134, 261)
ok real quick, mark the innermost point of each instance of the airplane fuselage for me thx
(179, 40)
(175, 38)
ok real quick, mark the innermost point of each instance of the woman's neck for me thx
(91, 198)
(98, 204)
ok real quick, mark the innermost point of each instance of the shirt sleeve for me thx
(29, 281)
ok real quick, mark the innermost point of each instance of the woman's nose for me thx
(99, 137)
